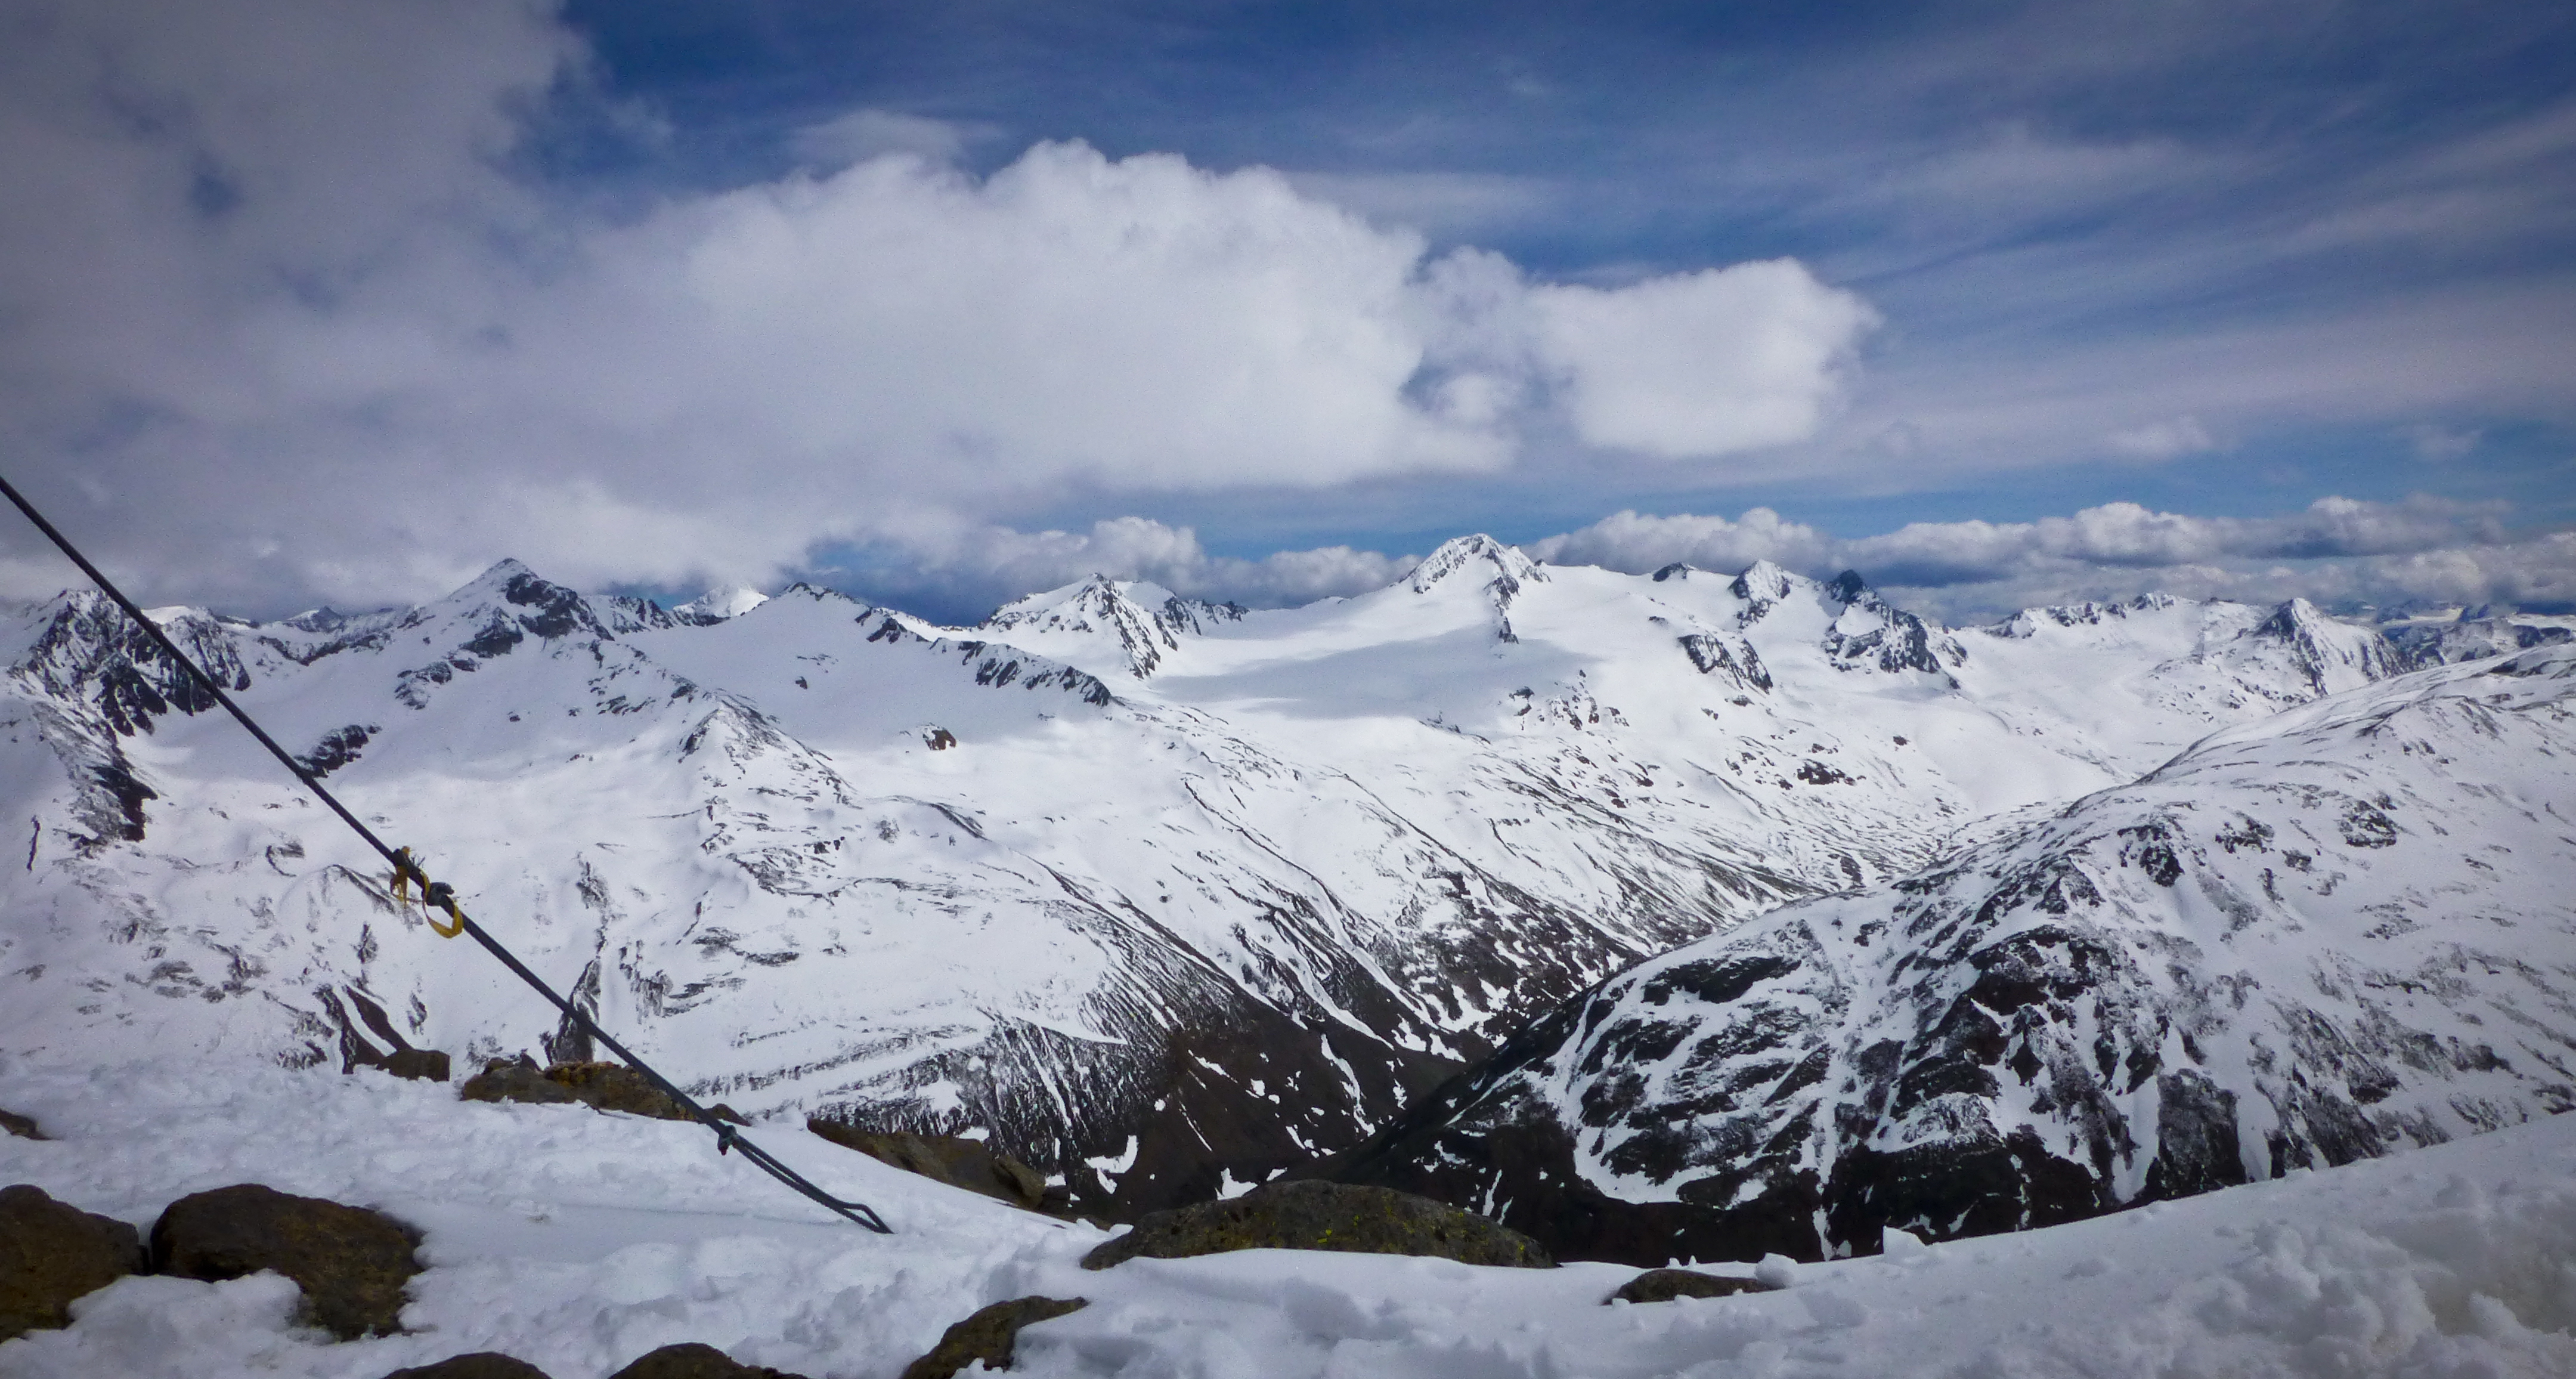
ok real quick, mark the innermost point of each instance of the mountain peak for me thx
(1764, 582)
(721, 602)
(1458, 553)
(1119, 613)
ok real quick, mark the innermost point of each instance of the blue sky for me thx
(652, 294)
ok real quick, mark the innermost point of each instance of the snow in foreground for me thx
(577, 1241)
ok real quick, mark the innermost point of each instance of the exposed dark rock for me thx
(606, 1086)
(425, 1065)
(482, 1364)
(514, 1079)
(51, 1253)
(695, 1360)
(24, 1127)
(616, 1087)
(1664, 1285)
(2068, 1018)
(352, 1263)
(951, 1159)
(991, 1336)
(1323, 1216)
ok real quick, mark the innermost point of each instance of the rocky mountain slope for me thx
(2313, 938)
(1163, 896)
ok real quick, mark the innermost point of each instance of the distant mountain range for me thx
(2314, 938)
(1164, 896)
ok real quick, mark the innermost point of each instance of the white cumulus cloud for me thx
(272, 299)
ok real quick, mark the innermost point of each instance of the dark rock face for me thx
(1664, 1285)
(2269, 954)
(695, 1360)
(1323, 1216)
(482, 1364)
(51, 1253)
(951, 1159)
(352, 1263)
(991, 1336)
(604, 1086)
(24, 1127)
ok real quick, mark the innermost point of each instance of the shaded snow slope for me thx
(2311, 939)
(1154, 891)
(578, 1241)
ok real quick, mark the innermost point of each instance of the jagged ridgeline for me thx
(2321, 937)
(1164, 896)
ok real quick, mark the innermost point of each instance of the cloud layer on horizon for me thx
(2338, 552)
(264, 348)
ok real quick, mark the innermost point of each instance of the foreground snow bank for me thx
(578, 1241)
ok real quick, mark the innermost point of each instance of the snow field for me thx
(578, 1241)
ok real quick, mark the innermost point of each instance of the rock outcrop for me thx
(1323, 1216)
(482, 1364)
(951, 1159)
(23, 1127)
(991, 1336)
(695, 1360)
(602, 1086)
(423, 1065)
(1664, 1285)
(51, 1253)
(2321, 937)
(352, 1263)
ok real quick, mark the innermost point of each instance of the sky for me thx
(339, 301)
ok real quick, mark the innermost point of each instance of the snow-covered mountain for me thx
(2471, 633)
(1163, 895)
(2313, 938)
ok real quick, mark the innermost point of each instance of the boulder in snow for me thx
(24, 1127)
(352, 1263)
(603, 1086)
(51, 1253)
(991, 1335)
(1664, 1285)
(482, 1364)
(517, 1079)
(951, 1159)
(1323, 1216)
(695, 1360)
(425, 1065)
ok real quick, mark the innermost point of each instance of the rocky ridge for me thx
(2314, 938)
